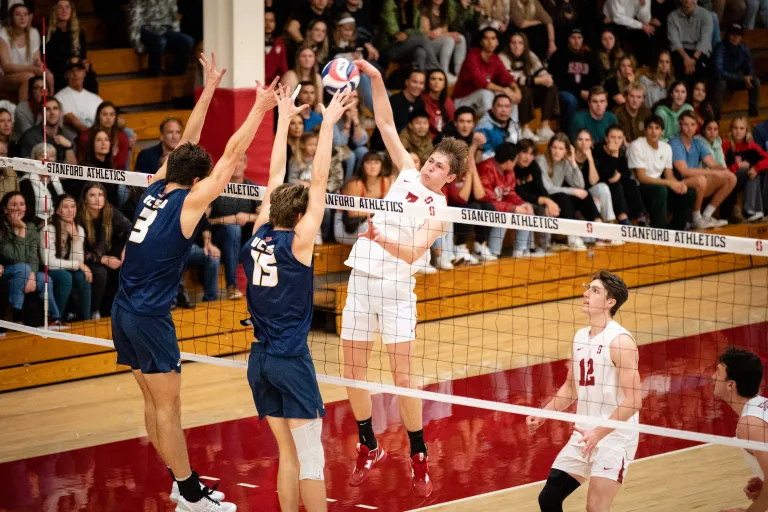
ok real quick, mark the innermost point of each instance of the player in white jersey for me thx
(603, 377)
(737, 381)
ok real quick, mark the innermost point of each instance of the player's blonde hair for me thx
(457, 152)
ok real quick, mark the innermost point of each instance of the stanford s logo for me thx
(411, 197)
(428, 200)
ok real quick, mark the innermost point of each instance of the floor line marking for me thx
(367, 507)
(209, 478)
(250, 486)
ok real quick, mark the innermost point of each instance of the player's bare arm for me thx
(309, 224)
(625, 357)
(410, 252)
(208, 189)
(385, 120)
(754, 429)
(561, 401)
(196, 120)
(286, 109)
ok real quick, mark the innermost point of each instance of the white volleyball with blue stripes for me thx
(340, 74)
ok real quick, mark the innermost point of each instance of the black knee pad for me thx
(559, 486)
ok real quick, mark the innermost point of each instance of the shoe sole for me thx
(368, 475)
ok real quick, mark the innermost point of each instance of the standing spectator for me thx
(367, 181)
(350, 137)
(671, 107)
(498, 125)
(596, 119)
(20, 53)
(748, 162)
(537, 86)
(690, 38)
(632, 114)
(403, 104)
(625, 74)
(78, 106)
(438, 105)
(40, 191)
(149, 159)
(415, 137)
(576, 71)
(586, 161)
(275, 53)
(65, 41)
(450, 47)
(632, 22)
(735, 71)
(651, 159)
(305, 70)
(154, 27)
(65, 148)
(659, 80)
(483, 76)
(28, 113)
(534, 21)
(65, 255)
(121, 140)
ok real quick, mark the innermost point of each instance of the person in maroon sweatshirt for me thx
(483, 76)
(275, 58)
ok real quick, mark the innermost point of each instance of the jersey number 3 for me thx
(264, 269)
(144, 220)
(586, 373)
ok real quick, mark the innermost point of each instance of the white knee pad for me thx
(309, 449)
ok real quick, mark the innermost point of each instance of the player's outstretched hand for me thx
(753, 488)
(341, 102)
(212, 76)
(265, 96)
(367, 68)
(589, 438)
(533, 423)
(372, 233)
(286, 108)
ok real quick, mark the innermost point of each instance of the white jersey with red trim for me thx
(757, 407)
(369, 257)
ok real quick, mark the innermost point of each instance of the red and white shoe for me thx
(422, 485)
(366, 461)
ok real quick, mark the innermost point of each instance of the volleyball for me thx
(340, 74)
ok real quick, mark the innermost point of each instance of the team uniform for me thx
(597, 379)
(155, 258)
(280, 300)
(758, 408)
(380, 297)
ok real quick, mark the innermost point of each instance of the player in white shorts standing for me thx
(737, 381)
(603, 377)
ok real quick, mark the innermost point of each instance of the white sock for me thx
(709, 211)
(696, 216)
(182, 479)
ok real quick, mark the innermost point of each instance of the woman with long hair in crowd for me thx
(626, 72)
(585, 159)
(367, 181)
(120, 141)
(20, 53)
(438, 105)
(659, 80)
(305, 70)
(701, 106)
(317, 38)
(609, 53)
(749, 162)
(66, 40)
(670, 108)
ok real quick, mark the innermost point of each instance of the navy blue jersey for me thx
(156, 253)
(280, 292)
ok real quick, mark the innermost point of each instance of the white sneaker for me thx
(609, 243)
(719, 222)
(175, 494)
(703, 223)
(484, 253)
(752, 217)
(528, 134)
(444, 262)
(521, 253)
(204, 505)
(575, 243)
(540, 253)
(234, 293)
(463, 256)
(544, 134)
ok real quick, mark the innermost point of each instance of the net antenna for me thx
(45, 159)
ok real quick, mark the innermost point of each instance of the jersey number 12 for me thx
(586, 372)
(264, 271)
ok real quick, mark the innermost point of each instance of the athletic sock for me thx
(366, 435)
(696, 216)
(189, 487)
(709, 211)
(417, 442)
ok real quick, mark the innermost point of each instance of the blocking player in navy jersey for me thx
(737, 381)
(164, 229)
(279, 267)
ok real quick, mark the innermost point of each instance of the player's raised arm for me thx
(407, 252)
(286, 111)
(561, 401)
(196, 120)
(309, 224)
(385, 120)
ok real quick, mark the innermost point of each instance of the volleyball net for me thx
(494, 334)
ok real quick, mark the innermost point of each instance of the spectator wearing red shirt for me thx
(748, 161)
(275, 59)
(439, 107)
(483, 76)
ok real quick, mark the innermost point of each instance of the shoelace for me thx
(208, 491)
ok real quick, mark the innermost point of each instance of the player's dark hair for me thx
(286, 203)
(187, 162)
(615, 288)
(745, 369)
(457, 152)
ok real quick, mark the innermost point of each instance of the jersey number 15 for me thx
(264, 269)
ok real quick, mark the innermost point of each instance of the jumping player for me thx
(278, 262)
(737, 382)
(603, 377)
(163, 232)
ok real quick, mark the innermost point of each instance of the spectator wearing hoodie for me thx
(498, 125)
(748, 161)
(735, 71)
(415, 137)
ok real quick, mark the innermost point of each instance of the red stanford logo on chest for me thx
(411, 197)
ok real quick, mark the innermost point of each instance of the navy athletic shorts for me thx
(144, 342)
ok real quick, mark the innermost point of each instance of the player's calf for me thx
(559, 486)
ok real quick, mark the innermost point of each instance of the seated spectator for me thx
(367, 181)
(300, 165)
(403, 104)
(483, 76)
(659, 80)
(19, 250)
(735, 71)
(6, 131)
(468, 191)
(651, 159)
(405, 43)
(449, 47)
(632, 114)
(122, 138)
(747, 161)
(585, 160)
(303, 14)
(346, 45)
(576, 71)
(9, 179)
(710, 135)
(660, 11)
(536, 23)
(20, 53)
(308, 95)
(106, 232)
(708, 180)
(149, 159)
(760, 135)
(65, 255)
(625, 75)
(701, 107)
(40, 191)
(631, 20)
(154, 27)
(689, 29)
(613, 170)
(275, 53)
(317, 38)
(493, 14)
(415, 137)
(295, 131)
(78, 106)
(304, 71)
(205, 258)
(460, 128)
(671, 107)
(750, 16)
(609, 54)
(537, 86)
(65, 148)
(350, 137)
(230, 218)
(437, 103)
(67, 40)
(498, 125)
(28, 113)
(595, 119)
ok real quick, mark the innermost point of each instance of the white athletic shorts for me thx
(376, 305)
(609, 460)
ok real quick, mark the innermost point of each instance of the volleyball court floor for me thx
(475, 454)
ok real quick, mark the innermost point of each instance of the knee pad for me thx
(559, 486)
(309, 450)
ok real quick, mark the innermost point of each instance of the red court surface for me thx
(472, 451)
